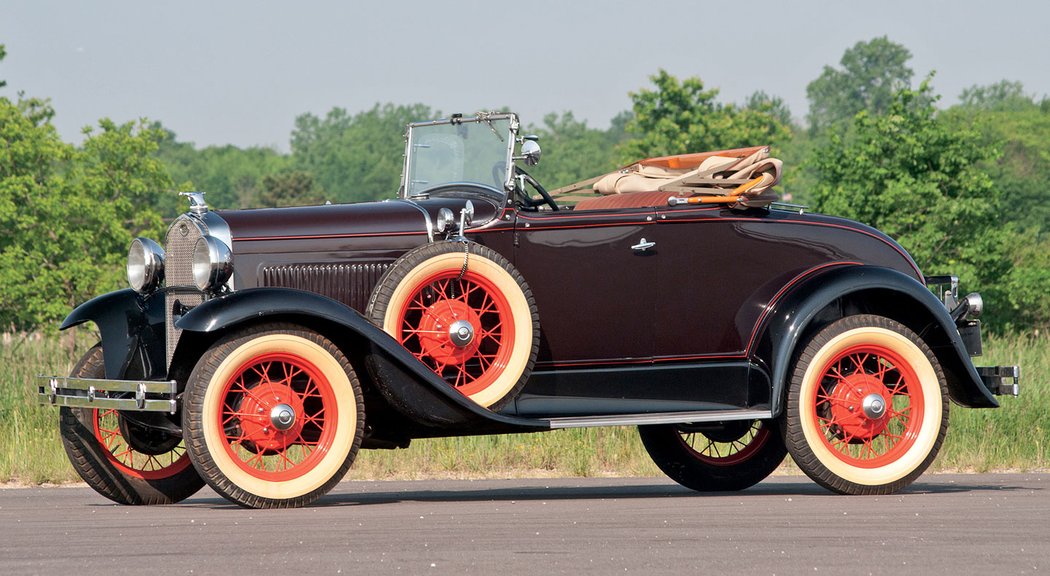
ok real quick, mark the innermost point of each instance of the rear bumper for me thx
(1001, 380)
(134, 395)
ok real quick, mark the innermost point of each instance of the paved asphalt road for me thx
(943, 524)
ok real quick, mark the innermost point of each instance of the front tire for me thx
(867, 410)
(120, 460)
(734, 456)
(273, 416)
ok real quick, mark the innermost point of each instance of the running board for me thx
(661, 418)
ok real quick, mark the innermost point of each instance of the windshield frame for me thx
(480, 118)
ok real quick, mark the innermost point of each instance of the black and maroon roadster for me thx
(258, 350)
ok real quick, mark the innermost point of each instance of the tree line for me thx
(961, 187)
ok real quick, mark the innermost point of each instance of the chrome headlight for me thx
(145, 265)
(212, 263)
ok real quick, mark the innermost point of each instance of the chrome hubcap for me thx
(282, 416)
(874, 406)
(461, 333)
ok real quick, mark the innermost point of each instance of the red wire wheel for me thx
(125, 461)
(461, 327)
(738, 443)
(466, 313)
(129, 449)
(716, 457)
(867, 410)
(869, 406)
(273, 416)
(278, 414)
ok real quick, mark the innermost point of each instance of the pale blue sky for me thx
(240, 71)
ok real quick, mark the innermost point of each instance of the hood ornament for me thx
(197, 204)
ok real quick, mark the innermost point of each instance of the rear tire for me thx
(867, 410)
(738, 456)
(149, 468)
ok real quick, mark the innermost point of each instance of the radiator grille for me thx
(350, 284)
(178, 272)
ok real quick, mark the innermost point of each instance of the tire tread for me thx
(794, 435)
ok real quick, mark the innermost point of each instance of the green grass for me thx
(30, 447)
(1013, 437)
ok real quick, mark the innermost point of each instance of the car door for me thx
(594, 280)
(719, 271)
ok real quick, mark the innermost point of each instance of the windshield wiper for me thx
(484, 117)
(493, 128)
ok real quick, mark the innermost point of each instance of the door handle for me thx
(643, 245)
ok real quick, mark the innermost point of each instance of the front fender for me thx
(408, 385)
(890, 293)
(132, 329)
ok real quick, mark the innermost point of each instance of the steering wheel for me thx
(528, 201)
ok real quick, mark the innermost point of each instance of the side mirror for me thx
(530, 152)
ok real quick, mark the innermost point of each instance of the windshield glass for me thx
(471, 150)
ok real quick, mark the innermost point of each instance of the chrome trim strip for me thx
(93, 393)
(508, 183)
(405, 166)
(426, 217)
(658, 418)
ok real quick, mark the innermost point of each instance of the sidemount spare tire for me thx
(466, 312)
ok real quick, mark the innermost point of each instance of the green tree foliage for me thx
(870, 74)
(1016, 123)
(1001, 96)
(3, 53)
(920, 180)
(67, 214)
(774, 106)
(679, 117)
(1028, 283)
(355, 157)
(293, 188)
(1008, 119)
(572, 151)
(232, 177)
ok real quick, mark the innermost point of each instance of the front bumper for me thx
(134, 395)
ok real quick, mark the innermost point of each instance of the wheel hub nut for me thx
(461, 333)
(874, 406)
(282, 416)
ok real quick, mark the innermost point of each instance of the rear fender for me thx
(874, 290)
(132, 330)
(407, 384)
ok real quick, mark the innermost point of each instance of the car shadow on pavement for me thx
(779, 487)
(351, 494)
(345, 494)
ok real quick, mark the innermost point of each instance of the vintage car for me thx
(258, 350)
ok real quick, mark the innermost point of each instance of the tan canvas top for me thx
(721, 173)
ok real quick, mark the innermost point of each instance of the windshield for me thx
(474, 150)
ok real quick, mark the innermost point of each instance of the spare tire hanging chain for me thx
(466, 256)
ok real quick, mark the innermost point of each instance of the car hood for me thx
(366, 219)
